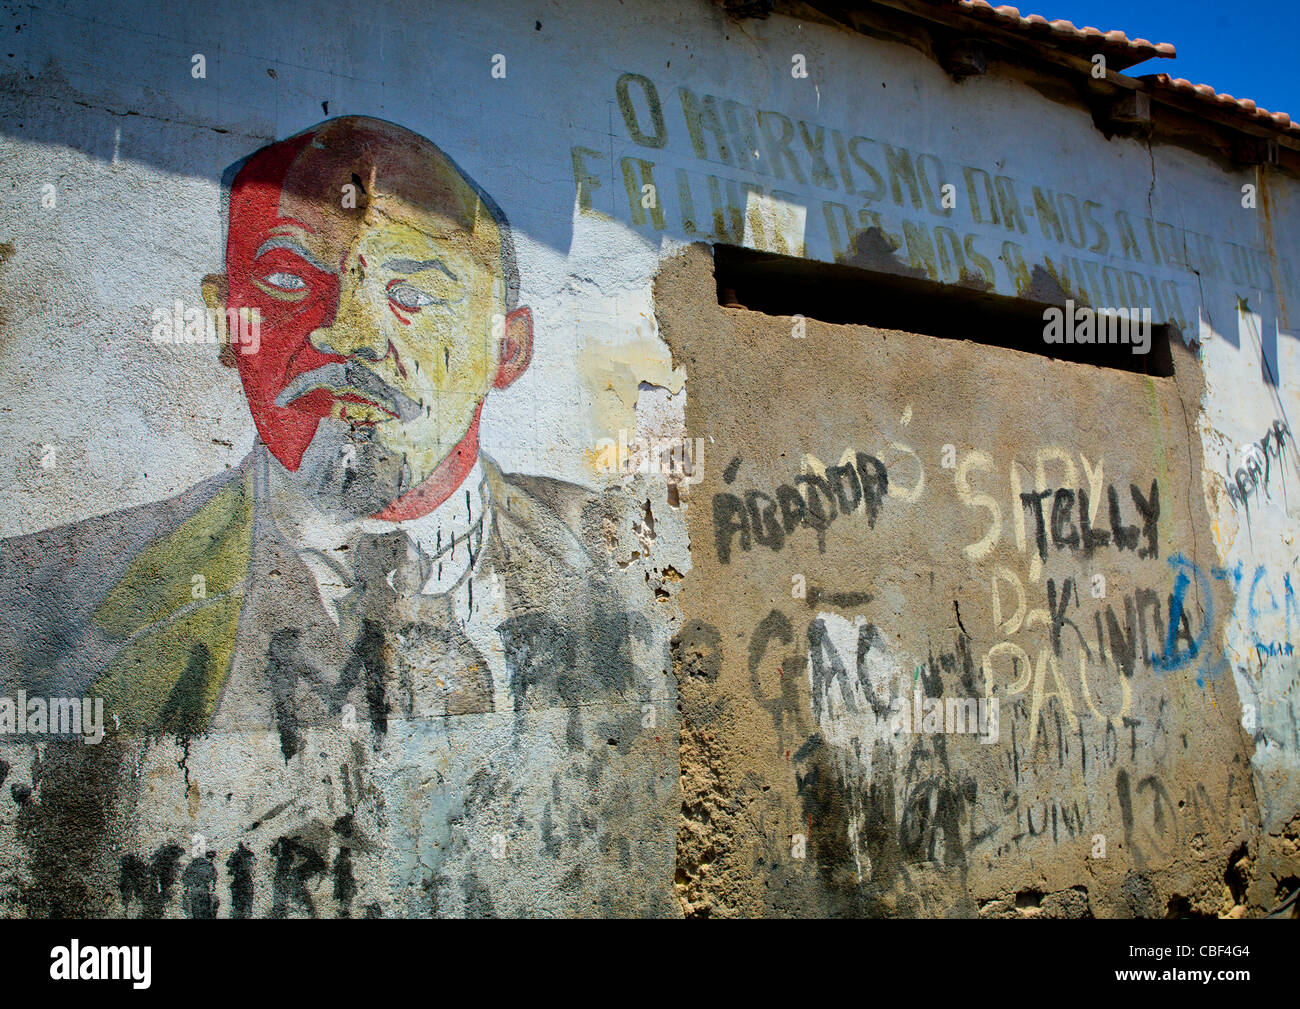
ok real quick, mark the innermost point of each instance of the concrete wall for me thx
(653, 693)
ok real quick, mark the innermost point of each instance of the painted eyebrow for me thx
(294, 246)
(416, 265)
(292, 222)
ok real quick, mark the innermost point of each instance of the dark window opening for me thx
(848, 295)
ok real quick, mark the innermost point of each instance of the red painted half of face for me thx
(288, 316)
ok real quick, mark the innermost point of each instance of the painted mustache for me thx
(344, 377)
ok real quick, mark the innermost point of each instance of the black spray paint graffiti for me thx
(1155, 826)
(760, 518)
(1085, 539)
(549, 663)
(918, 810)
(299, 867)
(150, 882)
(1256, 467)
(1142, 613)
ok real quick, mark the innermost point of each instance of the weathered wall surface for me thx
(938, 581)
(630, 692)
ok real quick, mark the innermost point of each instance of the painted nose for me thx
(351, 330)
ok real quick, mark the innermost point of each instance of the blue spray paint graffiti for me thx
(1182, 649)
(1173, 657)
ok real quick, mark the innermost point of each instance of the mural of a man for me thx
(367, 561)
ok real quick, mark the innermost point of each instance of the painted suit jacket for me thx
(142, 607)
(227, 747)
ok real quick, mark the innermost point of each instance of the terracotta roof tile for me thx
(1010, 17)
(1132, 51)
(1243, 107)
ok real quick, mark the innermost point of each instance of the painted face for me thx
(377, 272)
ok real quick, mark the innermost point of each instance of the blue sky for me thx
(1248, 49)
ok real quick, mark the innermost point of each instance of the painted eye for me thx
(412, 297)
(286, 281)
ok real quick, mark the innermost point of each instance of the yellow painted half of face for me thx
(420, 303)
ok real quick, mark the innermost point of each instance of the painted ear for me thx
(516, 347)
(213, 287)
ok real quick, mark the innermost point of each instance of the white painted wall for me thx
(98, 101)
